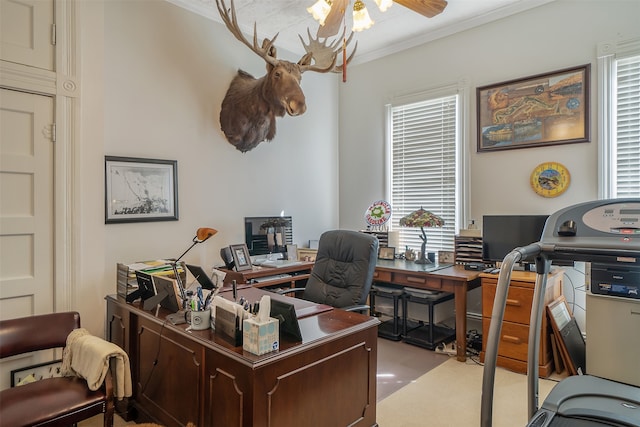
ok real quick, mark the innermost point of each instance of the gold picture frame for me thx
(541, 110)
(387, 252)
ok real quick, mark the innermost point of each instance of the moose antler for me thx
(266, 51)
(324, 56)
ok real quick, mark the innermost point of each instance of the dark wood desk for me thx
(299, 273)
(450, 279)
(328, 379)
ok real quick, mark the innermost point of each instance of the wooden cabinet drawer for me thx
(518, 306)
(513, 339)
(382, 276)
(417, 281)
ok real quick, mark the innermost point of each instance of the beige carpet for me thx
(450, 396)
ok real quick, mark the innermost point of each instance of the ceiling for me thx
(396, 29)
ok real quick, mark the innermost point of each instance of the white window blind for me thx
(627, 128)
(423, 168)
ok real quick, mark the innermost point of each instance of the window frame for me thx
(461, 90)
(608, 53)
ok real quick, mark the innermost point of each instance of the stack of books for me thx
(126, 273)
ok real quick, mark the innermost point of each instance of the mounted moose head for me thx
(250, 106)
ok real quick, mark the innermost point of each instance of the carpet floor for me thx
(450, 396)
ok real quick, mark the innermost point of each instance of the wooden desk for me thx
(450, 279)
(299, 272)
(328, 379)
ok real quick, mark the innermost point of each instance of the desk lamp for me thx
(202, 234)
(421, 218)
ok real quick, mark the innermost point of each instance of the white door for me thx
(26, 32)
(26, 204)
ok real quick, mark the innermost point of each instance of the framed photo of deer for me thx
(541, 110)
(140, 190)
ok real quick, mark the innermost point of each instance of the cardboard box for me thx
(260, 338)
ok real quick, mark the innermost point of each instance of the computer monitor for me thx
(503, 233)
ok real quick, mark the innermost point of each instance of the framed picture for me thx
(37, 372)
(140, 190)
(307, 254)
(537, 111)
(241, 256)
(386, 252)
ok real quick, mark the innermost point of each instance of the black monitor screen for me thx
(503, 233)
(268, 234)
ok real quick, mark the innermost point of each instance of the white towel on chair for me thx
(89, 357)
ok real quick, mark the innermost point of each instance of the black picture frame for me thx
(387, 252)
(241, 257)
(536, 111)
(140, 190)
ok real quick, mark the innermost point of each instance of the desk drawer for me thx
(417, 281)
(518, 306)
(513, 339)
(382, 276)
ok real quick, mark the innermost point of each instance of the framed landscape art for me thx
(541, 110)
(140, 190)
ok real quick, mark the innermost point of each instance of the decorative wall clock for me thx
(550, 179)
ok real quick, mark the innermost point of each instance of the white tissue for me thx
(265, 309)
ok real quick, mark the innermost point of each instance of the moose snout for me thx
(295, 107)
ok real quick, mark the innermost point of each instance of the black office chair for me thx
(343, 271)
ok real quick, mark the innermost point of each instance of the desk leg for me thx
(460, 297)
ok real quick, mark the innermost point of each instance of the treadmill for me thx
(606, 232)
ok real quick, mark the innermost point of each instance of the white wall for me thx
(154, 76)
(551, 37)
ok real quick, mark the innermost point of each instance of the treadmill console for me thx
(603, 231)
(617, 218)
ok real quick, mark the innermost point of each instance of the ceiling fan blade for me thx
(428, 8)
(334, 19)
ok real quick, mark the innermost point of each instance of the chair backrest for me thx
(38, 332)
(344, 267)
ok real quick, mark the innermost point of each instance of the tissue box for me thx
(260, 337)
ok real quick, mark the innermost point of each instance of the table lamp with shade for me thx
(422, 218)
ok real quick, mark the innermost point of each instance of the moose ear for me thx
(306, 60)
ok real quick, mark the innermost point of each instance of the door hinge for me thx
(53, 132)
(53, 34)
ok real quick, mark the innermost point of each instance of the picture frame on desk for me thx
(305, 254)
(140, 190)
(241, 257)
(387, 253)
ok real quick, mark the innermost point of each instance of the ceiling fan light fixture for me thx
(320, 10)
(361, 18)
(383, 5)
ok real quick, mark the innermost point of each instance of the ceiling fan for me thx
(330, 13)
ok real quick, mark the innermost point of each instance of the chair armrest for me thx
(357, 308)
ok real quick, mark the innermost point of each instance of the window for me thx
(619, 81)
(424, 167)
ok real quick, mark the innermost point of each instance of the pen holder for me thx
(198, 320)
(260, 337)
